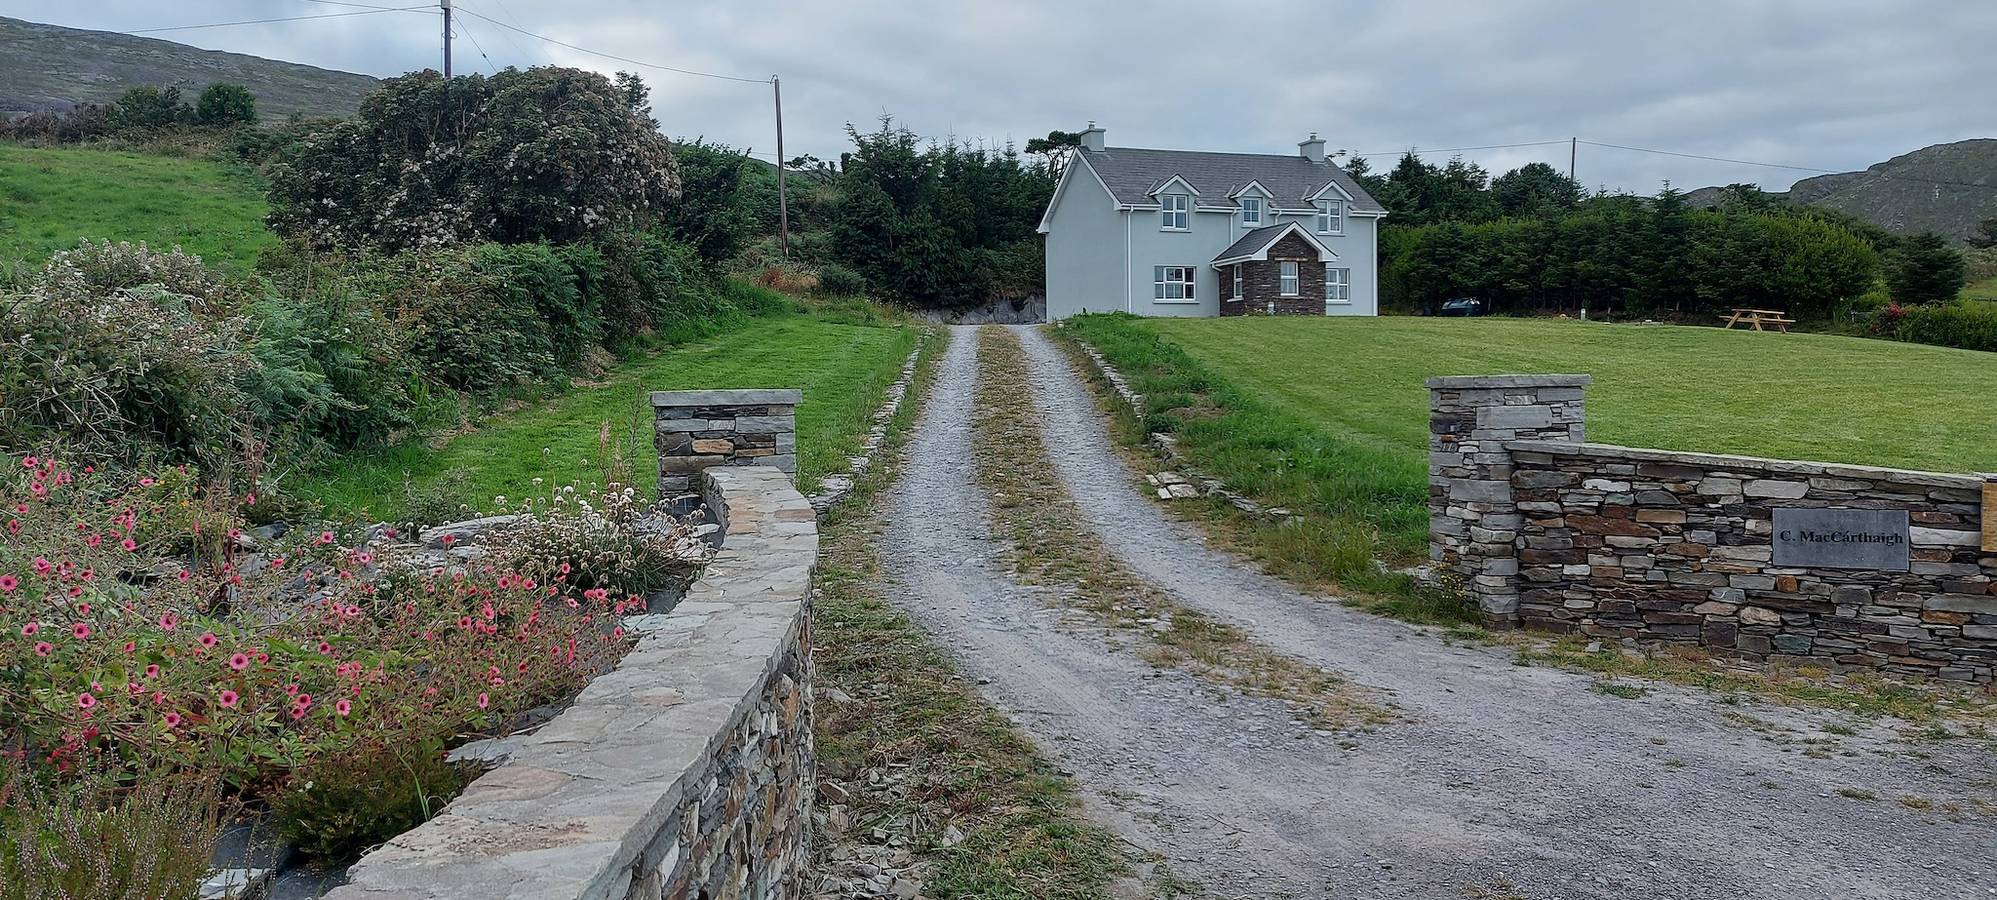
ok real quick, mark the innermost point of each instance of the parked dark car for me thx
(1460, 306)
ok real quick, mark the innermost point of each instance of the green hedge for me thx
(1965, 325)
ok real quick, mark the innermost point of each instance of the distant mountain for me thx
(52, 67)
(1946, 188)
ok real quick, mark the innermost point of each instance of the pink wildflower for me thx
(228, 699)
(239, 662)
(42, 648)
(80, 630)
(343, 707)
(85, 700)
(482, 700)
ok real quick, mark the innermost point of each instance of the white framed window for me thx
(1337, 284)
(1289, 278)
(1237, 281)
(1172, 283)
(1251, 212)
(1173, 210)
(1331, 217)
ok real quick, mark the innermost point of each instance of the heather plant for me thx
(298, 672)
(88, 840)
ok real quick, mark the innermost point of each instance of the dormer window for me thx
(1173, 208)
(1251, 212)
(1331, 217)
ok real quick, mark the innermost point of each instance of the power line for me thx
(612, 56)
(1738, 162)
(369, 11)
(1418, 151)
(286, 18)
(479, 47)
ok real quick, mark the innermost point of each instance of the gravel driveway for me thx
(1505, 782)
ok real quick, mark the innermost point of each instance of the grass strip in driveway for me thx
(843, 370)
(945, 758)
(1034, 512)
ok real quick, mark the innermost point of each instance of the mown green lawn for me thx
(842, 369)
(1800, 396)
(52, 197)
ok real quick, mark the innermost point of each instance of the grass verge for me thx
(942, 757)
(843, 370)
(1351, 505)
(1858, 694)
(1051, 547)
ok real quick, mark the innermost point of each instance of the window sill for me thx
(1338, 303)
(1175, 302)
(1180, 230)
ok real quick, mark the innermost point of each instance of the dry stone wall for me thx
(1851, 567)
(697, 430)
(687, 772)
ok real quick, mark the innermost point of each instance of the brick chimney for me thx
(1311, 148)
(1092, 138)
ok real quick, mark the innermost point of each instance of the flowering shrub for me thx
(122, 655)
(543, 154)
(616, 542)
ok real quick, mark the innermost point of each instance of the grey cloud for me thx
(1836, 85)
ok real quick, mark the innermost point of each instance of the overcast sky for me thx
(1815, 83)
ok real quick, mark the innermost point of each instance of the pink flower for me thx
(209, 640)
(325, 537)
(30, 628)
(173, 720)
(168, 621)
(42, 565)
(85, 701)
(482, 700)
(42, 648)
(343, 707)
(228, 699)
(450, 539)
(131, 646)
(29, 462)
(325, 648)
(239, 662)
(152, 671)
(184, 576)
(297, 712)
(8, 583)
(80, 630)
(129, 544)
(146, 481)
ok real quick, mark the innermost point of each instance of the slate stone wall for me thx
(1261, 282)
(697, 430)
(1679, 547)
(1473, 524)
(686, 772)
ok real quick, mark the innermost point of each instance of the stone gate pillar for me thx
(1473, 522)
(699, 429)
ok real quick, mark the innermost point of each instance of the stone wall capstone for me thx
(686, 772)
(1658, 545)
(697, 430)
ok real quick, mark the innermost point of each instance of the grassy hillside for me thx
(50, 198)
(52, 67)
(1795, 396)
(841, 368)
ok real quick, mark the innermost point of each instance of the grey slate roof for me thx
(1251, 243)
(1132, 174)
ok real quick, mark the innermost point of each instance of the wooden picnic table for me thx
(1759, 317)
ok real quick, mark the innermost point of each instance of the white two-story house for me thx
(1188, 233)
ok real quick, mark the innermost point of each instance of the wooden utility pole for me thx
(783, 198)
(445, 5)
